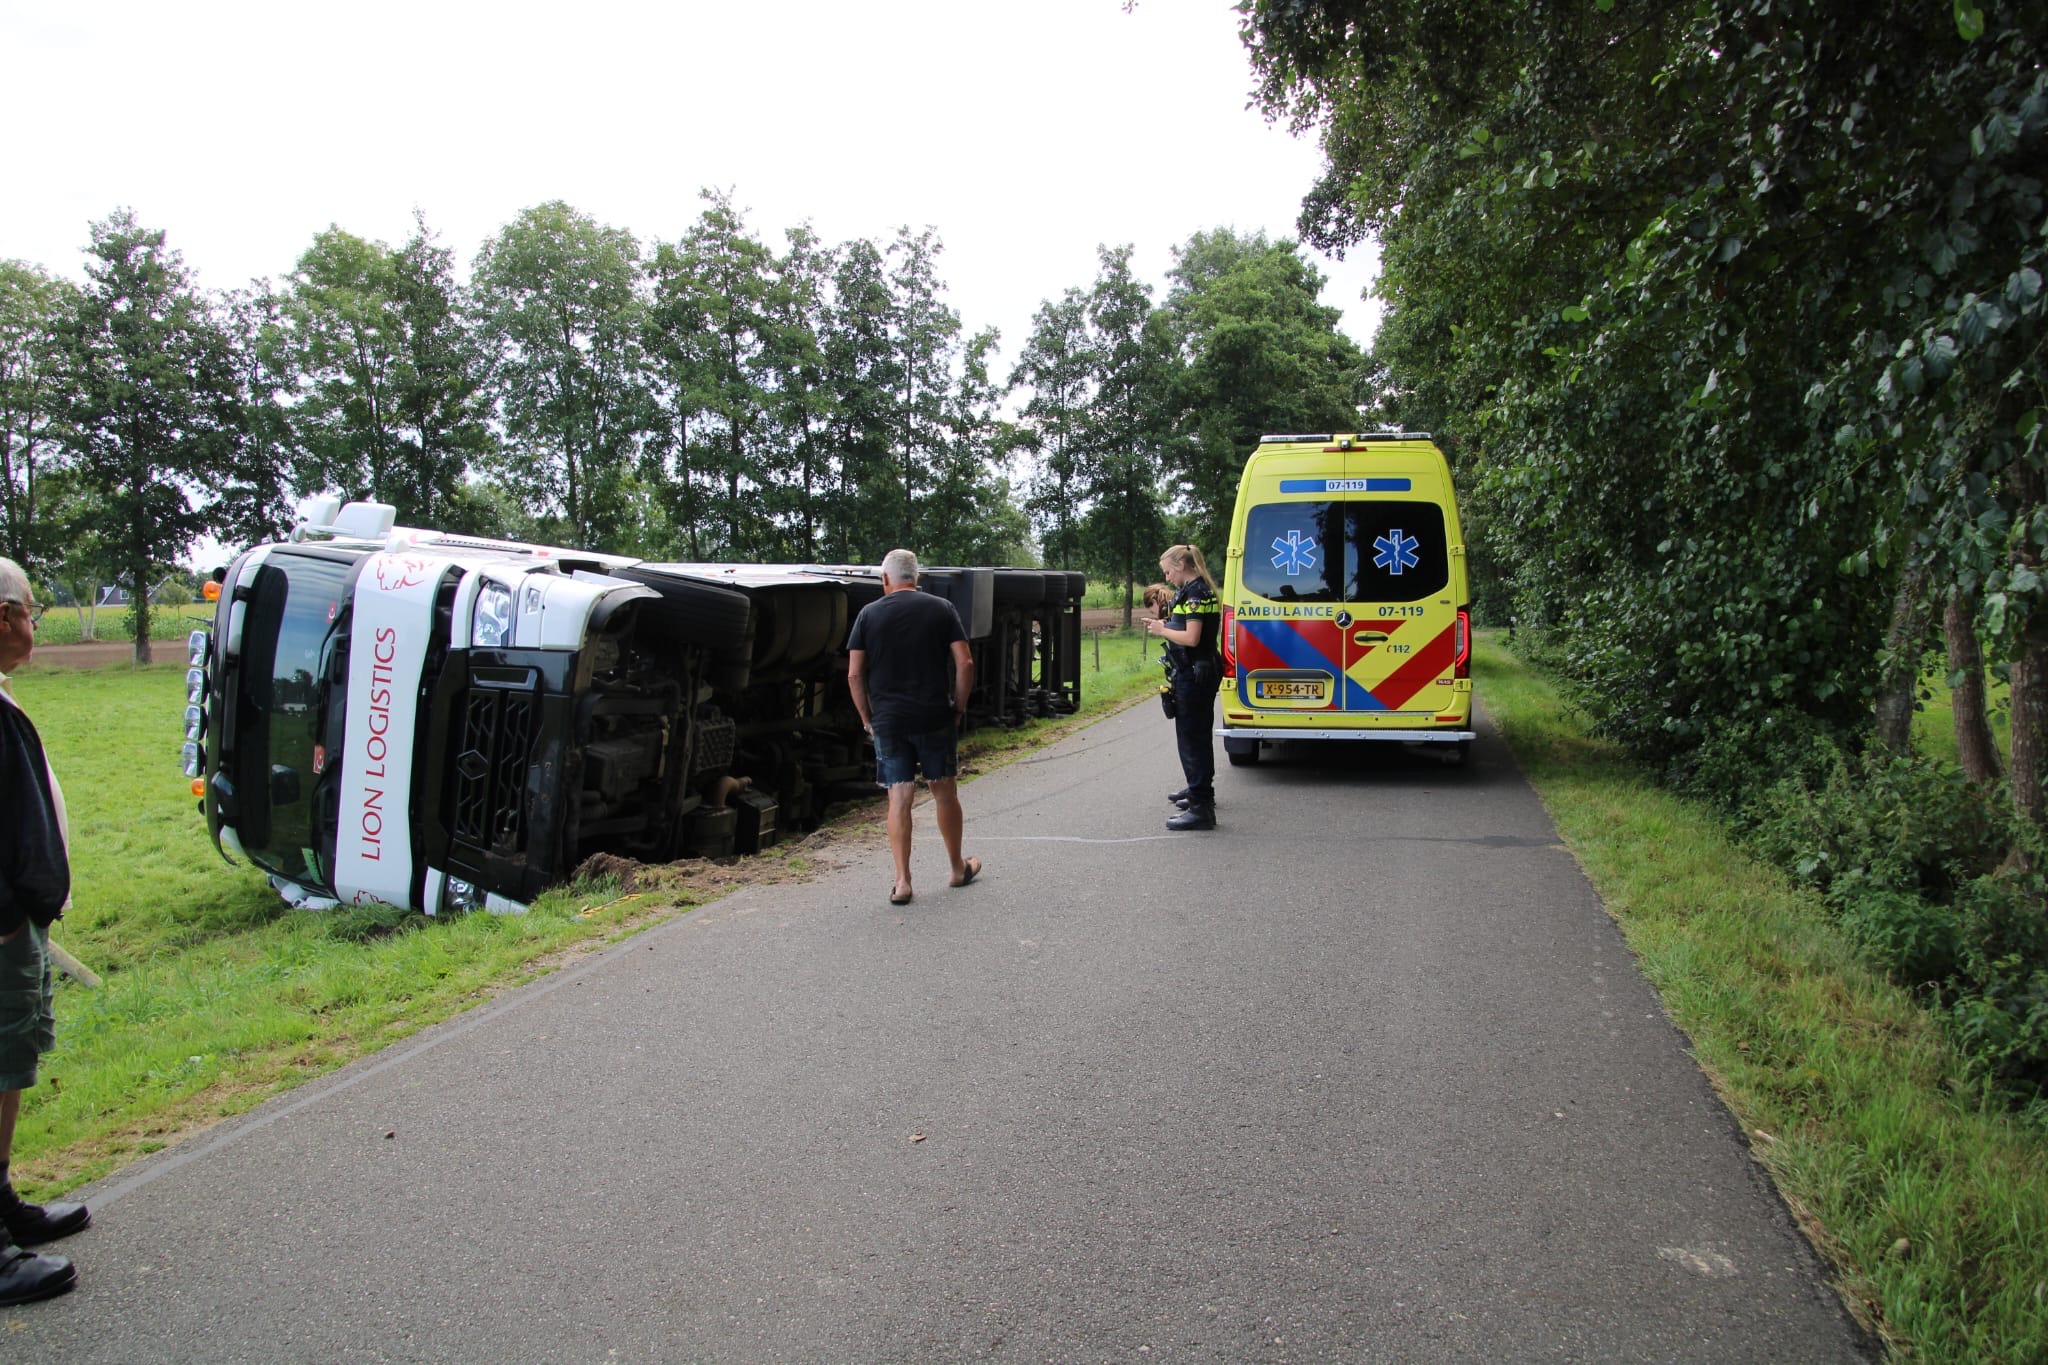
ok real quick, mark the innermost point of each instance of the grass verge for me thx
(217, 997)
(1933, 1207)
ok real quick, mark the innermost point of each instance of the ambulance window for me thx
(1287, 551)
(1386, 551)
(1394, 551)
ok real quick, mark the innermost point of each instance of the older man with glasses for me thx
(35, 886)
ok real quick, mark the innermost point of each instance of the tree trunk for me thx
(1974, 745)
(2030, 721)
(140, 606)
(1904, 642)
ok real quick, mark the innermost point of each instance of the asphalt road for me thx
(1366, 1074)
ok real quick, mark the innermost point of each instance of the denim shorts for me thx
(28, 1026)
(899, 758)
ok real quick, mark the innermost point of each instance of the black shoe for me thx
(1179, 798)
(33, 1224)
(1194, 817)
(26, 1277)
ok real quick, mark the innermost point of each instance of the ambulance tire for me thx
(1242, 753)
(1460, 754)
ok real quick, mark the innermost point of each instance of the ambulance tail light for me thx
(1229, 643)
(1461, 644)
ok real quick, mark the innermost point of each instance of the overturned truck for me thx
(381, 713)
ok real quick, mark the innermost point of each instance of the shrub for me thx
(1738, 765)
(1915, 940)
(1901, 823)
(1918, 865)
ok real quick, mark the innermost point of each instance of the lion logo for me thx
(395, 572)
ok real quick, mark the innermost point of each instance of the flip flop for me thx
(895, 899)
(973, 866)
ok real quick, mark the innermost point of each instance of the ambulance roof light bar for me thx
(1322, 437)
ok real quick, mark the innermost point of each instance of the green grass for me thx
(1934, 723)
(1102, 594)
(217, 996)
(1933, 1208)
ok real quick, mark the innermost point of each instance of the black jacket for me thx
(35, 871)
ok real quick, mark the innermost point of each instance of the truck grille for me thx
(490, 772)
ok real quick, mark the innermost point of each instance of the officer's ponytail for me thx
(1188, 557)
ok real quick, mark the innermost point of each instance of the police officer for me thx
(1190, 631)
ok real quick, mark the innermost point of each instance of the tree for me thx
(1058, 365)
(340, 338)
(926, 334)
(710, 329)
(152, 412)
(862, 370)
(801, 401)
(440, 383)
(966, 515)
(31, 301)
(1126, 434)
(559, 295)
(1257, 354)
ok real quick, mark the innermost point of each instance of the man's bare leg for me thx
(900, 797)
(952, 819)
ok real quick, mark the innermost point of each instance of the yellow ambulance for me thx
(1346, 614)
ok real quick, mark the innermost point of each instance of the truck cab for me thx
(384, 714)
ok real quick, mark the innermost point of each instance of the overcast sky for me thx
(1025, 134)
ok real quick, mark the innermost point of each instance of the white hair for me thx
(900, 566)
(14, 583)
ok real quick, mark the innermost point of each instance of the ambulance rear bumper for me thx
(1399, 736)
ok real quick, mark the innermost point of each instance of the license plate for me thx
(1290, 691)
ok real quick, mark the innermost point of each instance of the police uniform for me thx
(1196, 673)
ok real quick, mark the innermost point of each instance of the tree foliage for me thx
(561, 298)
(31, 302)
(707, 397)
(152, 418)
(1713, 378)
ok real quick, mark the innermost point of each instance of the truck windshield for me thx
(292, 610)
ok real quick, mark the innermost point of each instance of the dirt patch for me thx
(99, 654)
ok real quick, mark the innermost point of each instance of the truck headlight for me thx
(195, 721)
(197, 645)
(195, 685)
(195, 761)
(491, 627)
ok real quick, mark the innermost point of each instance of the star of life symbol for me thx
(1395, 551)
(1294, 554)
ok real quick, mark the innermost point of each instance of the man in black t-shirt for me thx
(911, 672)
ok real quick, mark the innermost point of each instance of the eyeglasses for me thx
(35, 612)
